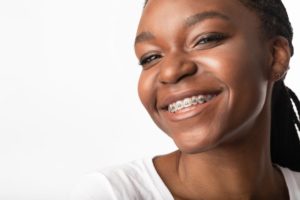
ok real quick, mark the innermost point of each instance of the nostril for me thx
(183, 77)
(174, 74)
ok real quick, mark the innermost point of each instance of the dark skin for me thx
(191, 47)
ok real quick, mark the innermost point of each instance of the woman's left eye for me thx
(210, 38)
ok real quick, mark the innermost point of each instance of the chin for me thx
(191, 149)
(196, 144)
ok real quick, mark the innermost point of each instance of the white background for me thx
(68, 93)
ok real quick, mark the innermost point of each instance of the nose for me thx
(176, 68)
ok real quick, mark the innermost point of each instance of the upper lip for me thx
(172, 97)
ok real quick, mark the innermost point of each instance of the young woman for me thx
(212, 80)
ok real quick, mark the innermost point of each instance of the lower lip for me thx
(189, 112)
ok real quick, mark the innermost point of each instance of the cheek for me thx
(146, 89)
(240, 65)
(242, 73)
(244, 76)
(247, 86)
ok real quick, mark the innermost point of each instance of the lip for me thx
(172, 98)
(190, 111)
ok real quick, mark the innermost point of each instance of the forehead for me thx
(170, 12)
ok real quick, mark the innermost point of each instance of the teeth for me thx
(172, 107)
(201, 99)
(209, 97)
(194, 100)
(187, 102)
(179, 105)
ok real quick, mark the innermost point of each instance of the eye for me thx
(210, 39)
(145, 60)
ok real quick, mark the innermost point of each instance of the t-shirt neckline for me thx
(166, 194)
(158, 182)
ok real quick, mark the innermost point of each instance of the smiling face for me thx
(205, 70)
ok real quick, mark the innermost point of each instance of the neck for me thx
(222, 173)
(242, 170)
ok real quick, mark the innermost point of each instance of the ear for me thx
(281, 54)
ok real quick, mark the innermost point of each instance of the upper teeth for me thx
(187, 102)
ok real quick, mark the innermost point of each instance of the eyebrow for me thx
(144, 36)
(199, 17)
(190, 21)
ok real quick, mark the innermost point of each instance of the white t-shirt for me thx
(139, 180)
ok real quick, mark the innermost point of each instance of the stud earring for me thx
(276, 76)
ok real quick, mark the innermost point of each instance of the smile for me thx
(188, 102)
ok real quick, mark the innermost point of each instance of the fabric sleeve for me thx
(93, 187)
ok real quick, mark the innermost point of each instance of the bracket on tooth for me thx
(187, 102)
(172, 108)
(194, 100)
(201, 99)
(178, 105)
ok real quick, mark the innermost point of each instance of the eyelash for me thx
(148, 59)
(209, 38)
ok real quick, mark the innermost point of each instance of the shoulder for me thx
(132, 180)
(292, 179)
(133, 169)
(93, 186)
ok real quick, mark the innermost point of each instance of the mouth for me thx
(187, 103)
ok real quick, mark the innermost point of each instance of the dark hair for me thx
(285, 143)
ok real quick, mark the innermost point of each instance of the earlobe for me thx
(281, 58)
(278, 76)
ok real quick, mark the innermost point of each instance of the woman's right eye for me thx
(149, 59)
